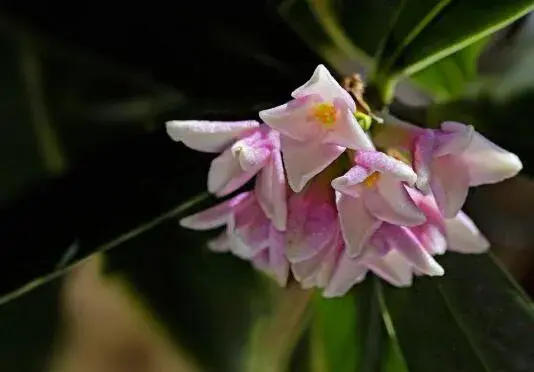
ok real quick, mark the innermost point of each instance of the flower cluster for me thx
(328, 204)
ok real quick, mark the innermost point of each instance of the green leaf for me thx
(472, 319)
(349, 334)
(334, 334)
(447, 27)
(450, 77)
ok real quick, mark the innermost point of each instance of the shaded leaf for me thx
(473, 319)
(451, 76)
(449, 26)
(349, 334)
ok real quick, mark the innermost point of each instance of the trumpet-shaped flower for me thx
(455, 157)
(249, 233)
(372, 192)
(316, 127)
(345, 209)
(247, 147)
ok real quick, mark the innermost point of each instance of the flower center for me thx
(325, 113)
(371, 180)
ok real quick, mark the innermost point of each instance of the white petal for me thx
(392, 203)
(393, 268)
(463, 235)
(293, 119)
(405, 242)
(449, 184)
(349, 183)
(208, 136)
(304, 160)
(348, 133)
(216, 216)
(306, 269)
(271, 191)
(323, 83)
(220, 244)
(386, 165)
(226, 175)
(454, 139)
(357, 224)
(488, 163)
(348, 272)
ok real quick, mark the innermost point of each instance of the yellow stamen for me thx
(325, 113)
(372, 179)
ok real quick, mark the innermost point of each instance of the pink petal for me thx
(387, 165)
(220, 244)
(357, 224)
(226, 174)
(216, 216)
(393, 268)
(261, 261)
(310, 229)
(450, 184)
(208, 136)
(323, 276)
(405, 242)
(431, 237)
(251, 158)
(349, 183)
(323, 83)
(306, 269)
(463, 236)
(399, 207)
(488, 163)
(348, 133)
(293, 119)
(304, 160)
(279, 266)
(249, 231)
(423, 152)
(453, 139)
(271, 191)
(348, 272)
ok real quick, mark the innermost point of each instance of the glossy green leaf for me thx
(334, 337)
(450, 77)
(446, 27)
(349, 333)
(472, 319)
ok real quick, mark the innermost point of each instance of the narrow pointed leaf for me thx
(473, 319)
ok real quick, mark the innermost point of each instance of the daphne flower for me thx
(247, 147)
(249, 233)
(335, 220)
(372, 192)
(438, 234)
(391, 262)
(451, 159)
(317, 126)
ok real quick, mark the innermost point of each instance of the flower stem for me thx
(275, 336)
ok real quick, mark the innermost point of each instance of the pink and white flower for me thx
(453, 158)
(334, 220)
(246, 147)
(316, 127)
(249, 233)
(371, 193)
